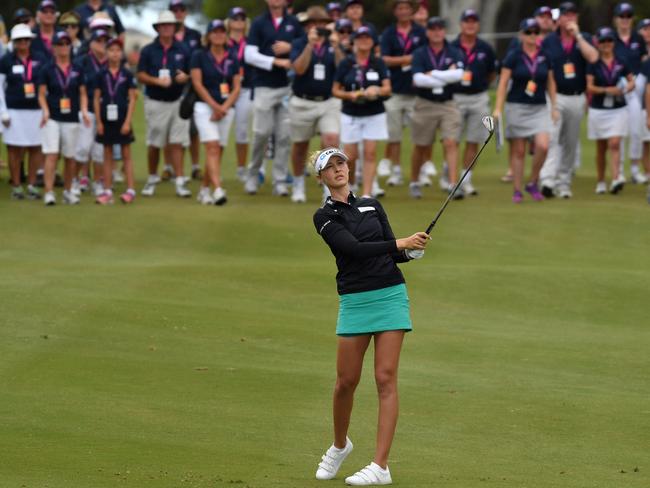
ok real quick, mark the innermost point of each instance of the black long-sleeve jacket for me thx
(360, 237)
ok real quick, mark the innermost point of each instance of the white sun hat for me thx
(21, 31)
(165, 17)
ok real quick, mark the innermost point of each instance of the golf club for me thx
(488, 123)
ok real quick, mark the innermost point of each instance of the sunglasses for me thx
(625, 16)
(533, 32)
(603, 41)
(68, 26)
(239, 17)
(48, 11)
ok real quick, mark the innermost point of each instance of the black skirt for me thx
(112, 134)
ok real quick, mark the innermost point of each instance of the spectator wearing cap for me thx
(217, 80)
(471, 94)
(354, 11)
(268, 50)
(164, 70)
(362, 81)
(437, 66)
(237, 26)
(312, 109)
(569, 52)
(608, 80)
(643, 28)
(192, 39)
(343, 27)
(69, 22)
(421, 15)
(46, 28)
(630, 49)
(398, 42)
(544, 17)
(63, 99)
(24, 16)
(87, 150)
(114, 96)
(334, 10)
(90, 8)
(19, 109)
(526, 111)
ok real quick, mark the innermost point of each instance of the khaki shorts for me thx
(60, 138)
(164, 124)
(399, 112)
(430, 116)
(309, 118)
(472, 110)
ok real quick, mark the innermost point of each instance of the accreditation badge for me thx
(319, 72)
(438, 90)
(111, 112)
(164, 73)
(18, 69)
(608, 101)
(65, 105)
(466, 80)
(30, 90)
(569, 71)
(406, 68)
(531, 88)
(372, 76)
(224, 90)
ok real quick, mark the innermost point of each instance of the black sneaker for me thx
(40, 182)
(196, 174)
(547, 191)
(58, 180)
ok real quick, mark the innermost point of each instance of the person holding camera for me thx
(312, 109)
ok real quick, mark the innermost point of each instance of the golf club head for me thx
(488, 123)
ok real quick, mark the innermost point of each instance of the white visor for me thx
(325, 156)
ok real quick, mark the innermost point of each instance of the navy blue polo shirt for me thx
(425, 60)
(264, 34)
(17, 76)
(62, 85)
(114, 90)
(524, 70)
(85, 11)
(307, 84)
(89, 65)
(38, 45)
(393, 44)
(246, 70)
(569, 66)
(630, 53)
(480, 61)
(353, 76)
(191, 39)
(645, 69)
(153, 58)
(214, 74)
(605, 75)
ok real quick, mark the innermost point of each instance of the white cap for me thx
(21, 31)
(166, 17)
(101, 22)
(324, 157)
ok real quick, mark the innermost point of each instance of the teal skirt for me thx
(368, 312)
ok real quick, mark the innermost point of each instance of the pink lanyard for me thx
(164, 58)
(469, 55)
(27, 74)
(404, 41)
(240, 48)
(113, 83)
(64, 81)
(608, 72)
(276, 23)
(568, 46)
(532, 66)
(222, 66)
(438, 61)
(319, 51)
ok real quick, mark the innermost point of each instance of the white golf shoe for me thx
(49, 198)
(280, 189)
(383, 168)
(183, 192)
(601, 188)
(204, 197)
(395, 178)
(219, 196)
(377, 191)
(443, 181)
(371, 475)
(468, 188)
(332, 460)
(415, 190)
(430, 168)
(69, 198)
(298, 190)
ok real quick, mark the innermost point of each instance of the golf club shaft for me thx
(460, 181)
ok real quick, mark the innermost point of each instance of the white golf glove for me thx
(414, 253)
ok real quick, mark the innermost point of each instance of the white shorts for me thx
(25, 128)
(243, 110)
(87, 148)
(604, 123)
(211, 130)
(60, 138)
(367, 128)
(164, 124)
(645, 133)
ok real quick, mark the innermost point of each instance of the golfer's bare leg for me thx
(541, 151)
(387, 350)
(349, 361)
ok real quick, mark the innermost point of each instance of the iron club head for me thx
(488, 123)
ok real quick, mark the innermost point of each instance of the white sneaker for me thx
(148, 190)
(49, 198)
(637, 176)
(564, 193)
(430, 168)
(154, 179)
(204, 197)
(468, 188)
(601, 188)
(617, 185)
(384, 168)
(118, 177)
(33, 193)
(298, 191)
(219, 196)
(98, 188)
(377, 191)
(415, 191)
(241, 174)
(332, 460)
(70, 198)
(250, 186)
(182, 192)
(372, 474)
(395, 178)
(75, 189)
(280, 189)
(443, 181)
(424, 179)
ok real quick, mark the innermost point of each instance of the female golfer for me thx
(373, 302)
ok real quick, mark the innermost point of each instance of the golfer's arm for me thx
(398, 256)
(506, 73)
(341, 240)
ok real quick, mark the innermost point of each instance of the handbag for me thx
(186, 108)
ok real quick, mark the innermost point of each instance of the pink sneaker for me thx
(127, 197)
(517, 197)
(534, 192)
(104, 199)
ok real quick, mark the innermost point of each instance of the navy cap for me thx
(543, 11)
(22, 13)
(604, 33)
(332, 6)
(438, 22)
(643, 23)
(214, 25)
(60, 36)
(235, 11)
(99, 33)
(469, 13)
(47, 4)
(623, 8)
(353, 2)
(113, 41)
(177, 3)
(568, 7)
(342, 24)
(364, 30)
(528, 24)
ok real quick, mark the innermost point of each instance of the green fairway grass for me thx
(168, 344)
